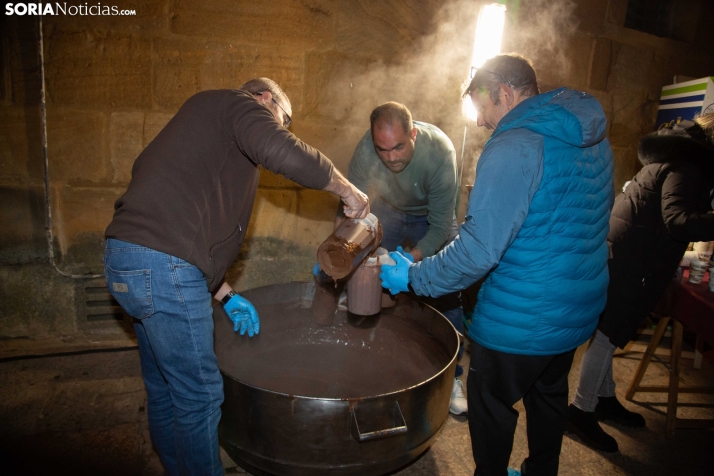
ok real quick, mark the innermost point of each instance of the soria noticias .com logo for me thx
(62, 8)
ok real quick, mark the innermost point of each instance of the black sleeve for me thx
(683, 204)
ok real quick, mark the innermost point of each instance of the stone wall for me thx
(113, 82)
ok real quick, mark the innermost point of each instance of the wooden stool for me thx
(673, 389)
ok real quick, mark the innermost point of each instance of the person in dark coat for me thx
(661, 210)
(176, 230)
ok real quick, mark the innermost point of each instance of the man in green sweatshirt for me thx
(408, 170)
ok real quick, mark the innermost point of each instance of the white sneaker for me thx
(458, 399)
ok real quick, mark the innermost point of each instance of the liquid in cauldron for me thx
(294, 355)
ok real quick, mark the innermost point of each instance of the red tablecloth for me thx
(694, 307)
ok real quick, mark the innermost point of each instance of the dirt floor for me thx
(84, 414)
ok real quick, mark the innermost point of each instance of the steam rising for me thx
(542, 34)
(428, 75)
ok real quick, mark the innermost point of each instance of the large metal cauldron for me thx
(358, 396)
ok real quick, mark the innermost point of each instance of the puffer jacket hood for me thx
(656, 148)
(570, 116)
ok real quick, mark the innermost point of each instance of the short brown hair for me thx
(511, 69)
(391, 112)
(260, 85)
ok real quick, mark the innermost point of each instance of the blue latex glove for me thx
(322, 277)
(405, 253)
(243, 315)
(396, 277)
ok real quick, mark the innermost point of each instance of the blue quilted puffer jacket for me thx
(546, 289)
(550, 287)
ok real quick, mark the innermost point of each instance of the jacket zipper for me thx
(239, 229)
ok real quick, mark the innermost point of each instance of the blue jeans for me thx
(399, 228)
(170, 302)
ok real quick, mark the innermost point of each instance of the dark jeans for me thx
(496, 381)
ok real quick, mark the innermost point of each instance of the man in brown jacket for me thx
(176, 230)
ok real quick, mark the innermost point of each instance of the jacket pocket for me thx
(132, 290)
(236, 231)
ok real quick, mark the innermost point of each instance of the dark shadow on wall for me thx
(22, 199)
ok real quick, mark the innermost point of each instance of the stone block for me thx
(35, 301)
(600, 64)
(23, 59)
(274, 214)
(616, 12)
(336, 142)
(344, 89)
(151, 15)
(97, 68)
(384, 29)
(625, 165)
(84, 256)
(22, 224)
(309, 24)
(661, 74)
(541, 30)
(186, 67)
(21, 156)
(77, 145)
(631, 69)
(316, 217)
(81, 211)
(228, 66)
(344, 86)
(632, 118)
(267, 260)
(177, 71)
(125, 143)
(578, 52)
(591, 15)
(153, 123)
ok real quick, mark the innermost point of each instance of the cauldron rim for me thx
(351, 399)
(345, 399)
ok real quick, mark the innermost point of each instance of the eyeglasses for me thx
(286, 124)
(290, 119)
(503, 80)
(482, 89)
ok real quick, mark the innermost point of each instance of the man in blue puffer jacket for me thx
(536, 224)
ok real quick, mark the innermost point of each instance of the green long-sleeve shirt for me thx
(427, 186)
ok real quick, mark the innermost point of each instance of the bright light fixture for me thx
(487, 44)
(489, 31)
